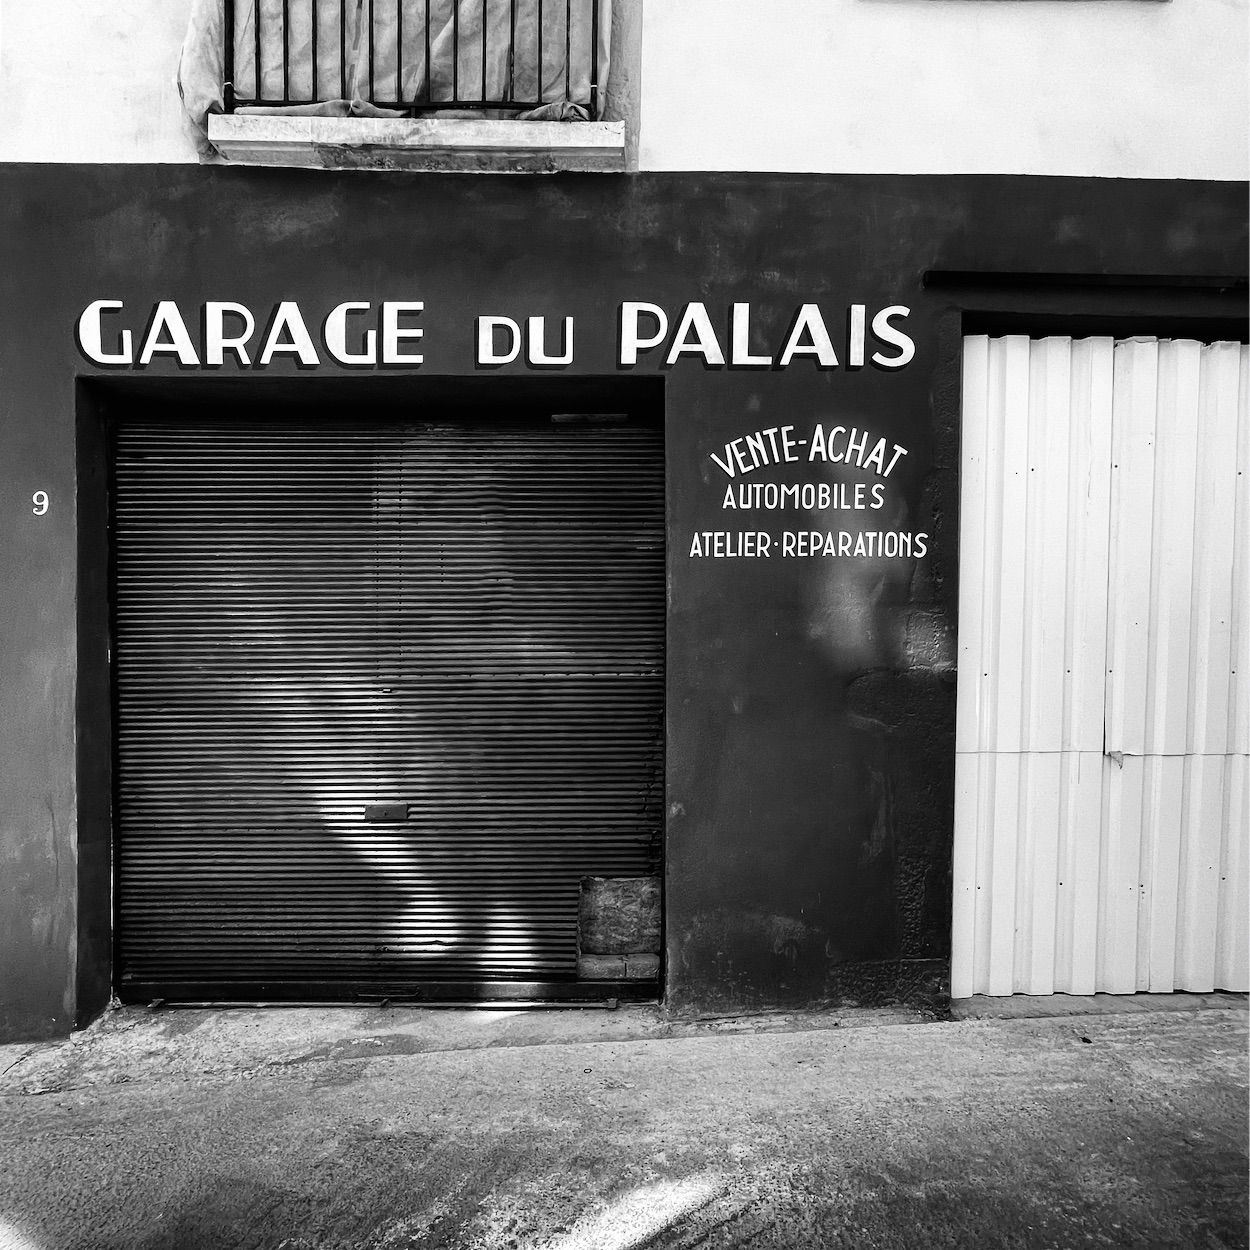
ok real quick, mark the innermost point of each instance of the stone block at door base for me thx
(601, 967)
(634, 967)
(642, 967)
(619, 916)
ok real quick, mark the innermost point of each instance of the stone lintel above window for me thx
(431, 144)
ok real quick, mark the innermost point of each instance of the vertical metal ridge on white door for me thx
(1102, 744)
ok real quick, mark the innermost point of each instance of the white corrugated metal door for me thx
(1102, 809)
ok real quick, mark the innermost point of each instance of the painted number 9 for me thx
(39, 500)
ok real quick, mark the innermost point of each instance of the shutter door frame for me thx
(463, 984)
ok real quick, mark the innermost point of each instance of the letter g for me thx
(90, 335)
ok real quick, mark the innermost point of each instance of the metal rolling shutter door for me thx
(465, 617)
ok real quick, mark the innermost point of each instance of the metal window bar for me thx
(511, 43)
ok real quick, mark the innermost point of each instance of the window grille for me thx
(414, 56)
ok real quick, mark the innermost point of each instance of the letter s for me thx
(884, 332)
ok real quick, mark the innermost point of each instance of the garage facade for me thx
(367, 662)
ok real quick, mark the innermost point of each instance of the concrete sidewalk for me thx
(586, 1130)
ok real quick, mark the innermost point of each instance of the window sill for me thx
(449, 146)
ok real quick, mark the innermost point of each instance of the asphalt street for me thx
(607, 1131)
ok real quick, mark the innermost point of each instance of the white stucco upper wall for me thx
(92, 80)
(1116, 88)
(1119, 88)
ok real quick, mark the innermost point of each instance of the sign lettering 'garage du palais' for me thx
(850, 463)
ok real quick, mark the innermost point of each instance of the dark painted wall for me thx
(811, 700)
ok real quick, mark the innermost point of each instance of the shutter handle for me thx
(386, 813)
